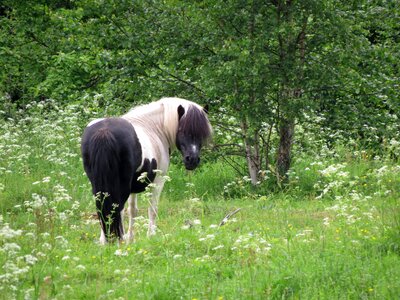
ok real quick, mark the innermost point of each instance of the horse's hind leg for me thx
(102, 239)
(132, 214)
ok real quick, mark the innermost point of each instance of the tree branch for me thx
(228, 216)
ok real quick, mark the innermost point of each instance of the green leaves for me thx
(264, 63)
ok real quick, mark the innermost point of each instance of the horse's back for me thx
(112, 141)
(120, 128)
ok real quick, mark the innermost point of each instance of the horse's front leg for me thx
(132, 214)
(153, 209)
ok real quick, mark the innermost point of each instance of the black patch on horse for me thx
(111, 154)
(148, 167)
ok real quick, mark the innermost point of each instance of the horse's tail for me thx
(104, 163)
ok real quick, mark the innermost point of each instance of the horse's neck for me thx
(152, 119)
(148, 111)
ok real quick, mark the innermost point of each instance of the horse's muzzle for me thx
(191, 162)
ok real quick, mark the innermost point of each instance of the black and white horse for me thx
(117, 152)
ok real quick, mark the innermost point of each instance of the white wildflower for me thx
(208, 237)
(382, 171)
(81, 267)
(46, 246)
(10, 248)
(62, 241)
(29, 294)
(332, 169)
(203, 258)
(218, 247)
(117, 272)
(30, 259)
(196, 222)
(46, 179)
(119, 252)
(8, 233)
(62, 216)
(157, 171)
(142, 177)
(30, 235)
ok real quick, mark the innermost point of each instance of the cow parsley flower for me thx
(30, 259)
(8, 233)
(81, 267)
(119, 252)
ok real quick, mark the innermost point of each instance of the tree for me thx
(268, 63)
(251, 58)
(262, 65)
(361, 99)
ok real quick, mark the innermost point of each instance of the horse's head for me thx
(193, 131)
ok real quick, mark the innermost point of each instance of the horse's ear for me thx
(181, 111)
(205, 108)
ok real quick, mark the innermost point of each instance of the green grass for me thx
(332, 233)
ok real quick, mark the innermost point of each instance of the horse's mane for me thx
(162, 116)
(195, 123)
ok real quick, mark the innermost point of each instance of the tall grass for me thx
(332, 233)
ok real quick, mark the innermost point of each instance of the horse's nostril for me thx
(191, 160)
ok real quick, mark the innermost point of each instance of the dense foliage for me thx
(265, 67)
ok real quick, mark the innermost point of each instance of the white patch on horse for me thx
(95, 121)
(149, 151)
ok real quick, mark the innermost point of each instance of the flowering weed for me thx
(332, 232)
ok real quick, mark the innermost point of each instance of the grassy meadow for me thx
(332, 233)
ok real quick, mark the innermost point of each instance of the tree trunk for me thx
(292, 50)
(286, 133)
(252, 165)
(252, 153)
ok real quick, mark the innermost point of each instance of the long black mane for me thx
(195, 123)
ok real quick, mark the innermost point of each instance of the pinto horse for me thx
(117, 152)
